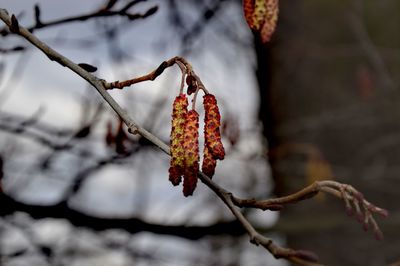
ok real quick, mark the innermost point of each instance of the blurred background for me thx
(320, 101)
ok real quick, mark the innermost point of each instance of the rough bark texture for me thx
(329, 110)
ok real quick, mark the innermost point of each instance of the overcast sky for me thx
(226, 70)
(227, 75)
(45, 84)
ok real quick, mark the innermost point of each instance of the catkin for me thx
(177, 163)
(271, 19)
(209, 162)
(262, 16)
(191, 151)
(212, 122)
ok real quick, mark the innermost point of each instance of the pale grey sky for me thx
(46, 84)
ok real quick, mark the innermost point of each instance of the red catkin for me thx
(248, 9)
(262, 16)
(212, 123)
(271, 19)
(177, 163)
(191, 151)
(209, 162)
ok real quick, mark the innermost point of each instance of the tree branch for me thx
(102, 12)
(300, 257)
(130, 224)
(354, 200)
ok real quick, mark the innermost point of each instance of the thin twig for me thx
(102, 12)
(149, 77)
(185, 67)
(353, 200)
(299, 257)
(256, 238)
(93, 80)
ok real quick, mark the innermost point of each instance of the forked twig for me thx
(353, 199)
(181, 62)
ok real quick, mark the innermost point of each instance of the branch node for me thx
(133, 130)
(254, 240)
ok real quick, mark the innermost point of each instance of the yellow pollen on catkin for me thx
(191, 150)
(177, 163)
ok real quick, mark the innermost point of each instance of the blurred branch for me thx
(149, 77)
(181, 62)
(354, 202)
(11, 50)
(20, 130)
(188, 34)
(82, 175)
(130, 224)
(39, 135)
(300, 257)
(38, 249)
(372, 53)
(104, 11)
(34, 122)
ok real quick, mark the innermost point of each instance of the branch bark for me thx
(300, 257)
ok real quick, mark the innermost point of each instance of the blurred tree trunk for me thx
(331, 110)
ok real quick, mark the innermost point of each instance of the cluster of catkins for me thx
(185, 142)
(262, 17)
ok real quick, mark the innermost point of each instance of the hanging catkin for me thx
(179, 113)
(191, 149)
